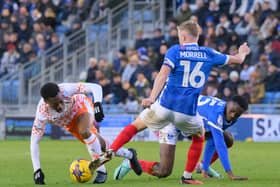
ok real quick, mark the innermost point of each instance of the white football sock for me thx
(122, 152)
(94, 149)
(187, 175)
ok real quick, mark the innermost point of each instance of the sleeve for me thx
(70, 89)
(208, 154)
(221, 147)
(218, 58)
(38, 130)
(170, 57)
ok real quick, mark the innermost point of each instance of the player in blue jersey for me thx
(217, 115)
(176, 89)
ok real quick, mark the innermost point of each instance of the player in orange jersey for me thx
(67, 106)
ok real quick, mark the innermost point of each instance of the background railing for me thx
(102, 37)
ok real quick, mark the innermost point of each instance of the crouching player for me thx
(66, 105)
(217, 115)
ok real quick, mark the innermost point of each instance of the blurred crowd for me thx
(224, 26)
(29, 27)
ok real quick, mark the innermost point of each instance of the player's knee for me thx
(229, 140)
(164, 172)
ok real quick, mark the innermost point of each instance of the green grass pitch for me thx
(258, 161)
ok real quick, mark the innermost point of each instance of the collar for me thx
(190, 44)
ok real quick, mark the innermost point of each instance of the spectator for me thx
(273, 56)
(141, 85)
(234, 82)
(253, 41)
(140, 41)
(184, 13)
(266, 11)
(213, 11)
(242, 91)
(224, 80)
(130, 68)
(157, 39)
(227, 94)
(162, 51)
(268, 26)
(153, 56)
(119, 95)
(173, 37)
(272, 86)
(91, 70)
(223, 22)
(201, 12)
(26, 54)
(9, 60)
(246, 72)
(262, 66)
(256, 88)
(24, 32)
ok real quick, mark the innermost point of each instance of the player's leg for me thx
(164, 167)
(194, 128)
(167, 139)
(193, 157)
(94, 143)
(153, 117)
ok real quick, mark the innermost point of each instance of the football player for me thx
(175, 92)
(67, 106)
(218, 115)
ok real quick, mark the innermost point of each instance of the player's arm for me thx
(36, 135)
(90, 88)
(239, 58)
(96, 91)
(222, 151)
(208, 154)
(160, 82)
(37, 132)
(162, 76)
(83, 88)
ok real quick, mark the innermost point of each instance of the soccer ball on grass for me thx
(79, 171)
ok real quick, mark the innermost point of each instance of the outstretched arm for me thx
(83, 88)
(239, 58)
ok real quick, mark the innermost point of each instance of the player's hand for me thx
(232, 177)
(244, 49)
(147, 102)
(98, 112)
(204, 174)
(238, 178)
(39, 176)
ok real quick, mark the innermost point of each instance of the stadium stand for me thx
(132, 37)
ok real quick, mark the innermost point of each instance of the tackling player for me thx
(173, 98)
(66, 105)
(217, 115)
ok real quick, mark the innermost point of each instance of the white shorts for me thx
(157, 117)
(168, 135)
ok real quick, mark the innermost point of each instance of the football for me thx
(79, 171)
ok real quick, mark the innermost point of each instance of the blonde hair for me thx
(191, 27)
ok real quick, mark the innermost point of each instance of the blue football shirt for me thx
(191, 65)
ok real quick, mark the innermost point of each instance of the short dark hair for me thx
(49, 89)
(241, 101)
